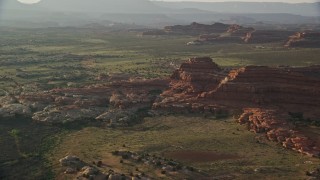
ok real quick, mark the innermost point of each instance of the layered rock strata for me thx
(267, 94)
(278, 129)
(194, 77)
(255, 86)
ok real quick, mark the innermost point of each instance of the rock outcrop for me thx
(267, 94)
(72, 161)
(202, 84)
(194, 77)
(277, 128)
(234, 33)
(304, 39)
(255, 86)
(102, 102)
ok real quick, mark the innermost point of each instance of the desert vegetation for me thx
(74, 68)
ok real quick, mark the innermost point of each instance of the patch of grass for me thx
(56, 57)
(23, 146)
(158, 135)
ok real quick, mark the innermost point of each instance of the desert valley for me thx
(159, 90)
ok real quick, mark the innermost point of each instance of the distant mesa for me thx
(192, 29)
(234, 33)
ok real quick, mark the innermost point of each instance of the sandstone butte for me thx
(265, 95)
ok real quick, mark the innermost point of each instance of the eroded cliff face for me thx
(255, 86)
(202, 81)
(194, 77)
(266, 95)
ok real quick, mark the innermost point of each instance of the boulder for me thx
(70, 171)
(72, 161)
(88, 171)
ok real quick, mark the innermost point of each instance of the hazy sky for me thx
(287, 1)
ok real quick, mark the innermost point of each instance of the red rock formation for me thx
(255, 86)
(195, 76)
(71, 104)
(266, 93)
(234, 34)
(278, 129)
(304, 39)
(237, 30)
(252, 86)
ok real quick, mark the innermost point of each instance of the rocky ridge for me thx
(277, 128)
(267, 36)
(255, 86)
(115, 103)
(266, 95)
(194, 77)
(234, 33)
(267, 92)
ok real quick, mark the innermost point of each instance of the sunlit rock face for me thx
(266, 86)
(278, 129)
(266, 95)
(199, 80)
(196, 75)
